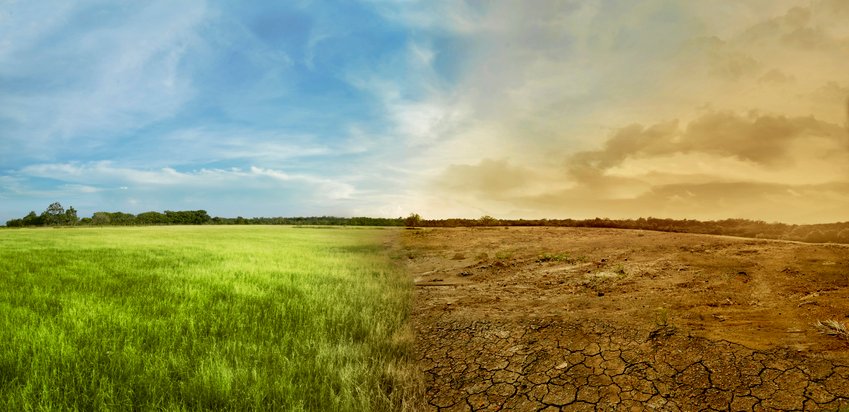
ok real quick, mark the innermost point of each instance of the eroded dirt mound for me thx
(536, 318)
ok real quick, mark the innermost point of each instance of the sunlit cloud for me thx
(445, 108)
(652, 108)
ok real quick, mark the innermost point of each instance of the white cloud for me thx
(94, 68)
(328, 188)
(105, 174)
(254, 191)
(435, 15)
(207, 144)
(83, 189)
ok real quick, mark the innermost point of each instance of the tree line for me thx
(56, 215)
(814, 233)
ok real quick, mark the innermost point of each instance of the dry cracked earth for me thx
(532, 319)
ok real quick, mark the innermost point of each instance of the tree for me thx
(151, 218)
(122, 219)
(187, 217)
(414, 220)
(54, 214)
(15, 223)
(101, 218)
(842, 236)
(71, 216)
(487, 220)
(816, 236)
(33, 219)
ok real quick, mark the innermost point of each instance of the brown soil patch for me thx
(591, 319)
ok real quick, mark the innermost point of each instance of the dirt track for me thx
(595, 319)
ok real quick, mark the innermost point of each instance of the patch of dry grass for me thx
(832, 328)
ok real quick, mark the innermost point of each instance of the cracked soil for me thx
(601, 319)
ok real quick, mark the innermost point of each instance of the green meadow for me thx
(203, 318)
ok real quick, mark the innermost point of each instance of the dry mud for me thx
(595, 319)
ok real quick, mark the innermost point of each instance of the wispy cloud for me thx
(115, 186)
(105, 173)
(445, 108)
(84, 72)
(738, 110)
(198, 98)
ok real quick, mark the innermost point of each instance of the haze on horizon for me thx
(559, 109)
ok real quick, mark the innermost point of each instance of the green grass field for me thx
(190, 318)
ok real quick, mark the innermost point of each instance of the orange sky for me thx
(657, 108)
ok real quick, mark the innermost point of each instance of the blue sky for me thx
(277, 108)
(446, 108)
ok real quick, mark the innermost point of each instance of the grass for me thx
(620, 270)
(202, 318)
(503, 255)
(560, 257)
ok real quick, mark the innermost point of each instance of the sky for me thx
(514, 109)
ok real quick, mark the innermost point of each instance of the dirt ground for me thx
(604, 319)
